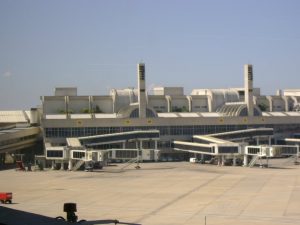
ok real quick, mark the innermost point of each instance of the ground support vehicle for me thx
(6, 197)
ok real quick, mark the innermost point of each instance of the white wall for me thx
(78, 104)
(53, 105)
(199, 104)
(105, 103)
(179, 102)
(159, 103)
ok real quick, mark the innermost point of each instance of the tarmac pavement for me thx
(166, 193)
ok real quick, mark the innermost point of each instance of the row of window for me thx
(125, 154)
(164, 130)
(195, 148)
(228, 149)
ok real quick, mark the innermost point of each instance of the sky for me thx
(95, 45)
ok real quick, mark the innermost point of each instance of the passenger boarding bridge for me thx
(206, 145)
(18, 131)
(84, 149)
(223, 149)
(18, 138)
(257, 134)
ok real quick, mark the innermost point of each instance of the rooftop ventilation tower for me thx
(141, 90)
(248, 76)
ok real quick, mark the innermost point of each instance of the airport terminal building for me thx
(162, 121)
(175, 115)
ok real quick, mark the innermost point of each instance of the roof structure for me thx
(237, 110)
(13, 117)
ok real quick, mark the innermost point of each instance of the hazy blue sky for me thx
(95, 45)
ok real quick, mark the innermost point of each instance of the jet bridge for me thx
(205, 145)
(82, 149)
(140, 135)
(269, 151)
(215, 145)
(244, 135)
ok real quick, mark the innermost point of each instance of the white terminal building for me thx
(68, 117)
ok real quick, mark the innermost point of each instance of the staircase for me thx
(128, 163)
(253, 161)
(78, 165)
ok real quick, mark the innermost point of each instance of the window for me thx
(78, 155)
(54, 154)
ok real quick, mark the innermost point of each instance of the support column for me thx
(53, 165)
(155, 144)
(297, 155)
(219, 161)
(202, 158)
(140, 151)
(270, 140)
(245, 160)
(123, 145)
(234, 161)
(257, 141)
(169, 108)
(137, 143)
(70, 166)
(223, 160)
(62, 165)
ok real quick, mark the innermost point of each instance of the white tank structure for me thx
(141, 90)
(248, 76)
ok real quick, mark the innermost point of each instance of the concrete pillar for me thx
(53, 165)
(91, 105)
(234, 161)
(141, 90)
(169, 107)
(70, 166)
(62, 165)
(219, 161)
(271, 108)
(270, 140)
(257, 141)
(248, 78)
(67, 107)
(189, 98)
(297, 155)
(223, 160)
(245, 160)
(123, 145)
(140, 150)
(155, 144)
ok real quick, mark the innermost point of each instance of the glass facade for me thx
(167, 133)
(164, 130)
